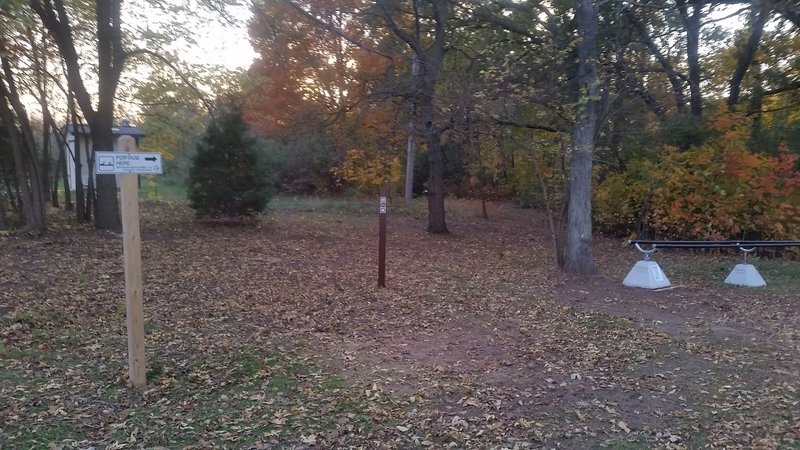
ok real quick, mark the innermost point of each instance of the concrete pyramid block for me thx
(745, 275)
(646, 274)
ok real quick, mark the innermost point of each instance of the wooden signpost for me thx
(128, 164)
(382, 213)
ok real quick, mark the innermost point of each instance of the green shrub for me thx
(228, 177)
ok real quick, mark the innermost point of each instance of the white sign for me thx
(127, 162)
(382, 209)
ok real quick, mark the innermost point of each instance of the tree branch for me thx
(529, 126)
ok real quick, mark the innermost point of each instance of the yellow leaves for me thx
(369, 171)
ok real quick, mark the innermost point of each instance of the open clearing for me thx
(276, 336)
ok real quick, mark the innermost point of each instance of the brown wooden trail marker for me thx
(128, 164)
(382, 213)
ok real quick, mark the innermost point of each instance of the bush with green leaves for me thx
(228, 177)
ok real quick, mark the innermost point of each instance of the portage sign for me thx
(127, 162)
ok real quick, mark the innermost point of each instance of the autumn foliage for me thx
(719, 190)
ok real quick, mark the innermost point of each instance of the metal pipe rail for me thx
(713, 244)
(648, 274)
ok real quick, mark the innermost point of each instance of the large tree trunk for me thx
(746, 55)
(692, 23)
(431, 65)
(436, 212)
(110, 58)
(106, 206)
(430, 54)
(578, 257)
(110, 55)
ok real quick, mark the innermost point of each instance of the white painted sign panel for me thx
(127, 162)
(382, 206)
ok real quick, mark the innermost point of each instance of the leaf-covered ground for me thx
(275, 336)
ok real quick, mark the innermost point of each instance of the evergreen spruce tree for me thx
(228, 177)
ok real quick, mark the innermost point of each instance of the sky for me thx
(223, 43)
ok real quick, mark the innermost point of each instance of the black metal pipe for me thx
(715, 244)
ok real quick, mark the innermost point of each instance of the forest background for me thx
(694, 105)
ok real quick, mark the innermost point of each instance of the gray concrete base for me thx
(646, 274)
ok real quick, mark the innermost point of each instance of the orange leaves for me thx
(716, 191)
(306, 72)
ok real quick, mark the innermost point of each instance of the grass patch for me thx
(154, 188)
(43, 436)
(703, 269)
(226, 398)
(323, 205)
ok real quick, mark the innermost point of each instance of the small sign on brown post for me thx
(382, 213)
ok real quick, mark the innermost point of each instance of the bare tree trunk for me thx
(430, 53)
(412, 125)
(60, 170)
(65, 177)
(692, 24)
(91, 199)
(56, 177)
(746, 55)
(554, 234)
(431, 66)
(666, 65)
(579, 217)
(28, 143)
(46, 164)
(12, 190)
(80, 196)
(111, 57)
(754, 108)
(3, 224)
(3, 219)
(29, 216)
(436, 212)
(482, 181)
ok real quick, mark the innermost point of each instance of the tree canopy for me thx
(475, 99)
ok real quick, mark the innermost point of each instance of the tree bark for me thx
(68, 206)
(436, 213)
(110, 57)
(746, 56)
(430, 53)
(3, 224)
(431, 65)
(578, 257)
(56, 176)
(34, 223)
(692, 24)
(666, 65)
(28, 146)
(412, 125)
